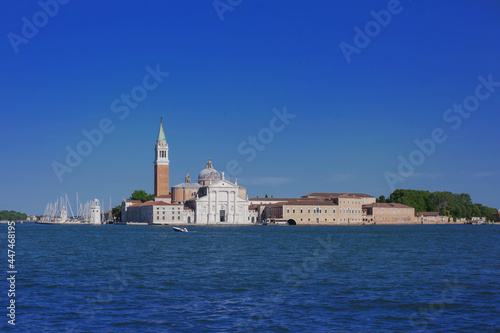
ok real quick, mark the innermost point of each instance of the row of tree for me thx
(446, 203)
(6, 215)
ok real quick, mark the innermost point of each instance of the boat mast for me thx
(110, 215)
(69, 206)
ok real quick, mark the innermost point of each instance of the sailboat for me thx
(57, 213)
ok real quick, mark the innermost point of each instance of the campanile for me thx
(161, 164)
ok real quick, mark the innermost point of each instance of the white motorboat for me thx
(177, 229)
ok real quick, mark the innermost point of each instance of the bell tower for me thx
(161, 164)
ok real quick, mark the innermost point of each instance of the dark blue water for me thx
(256, 278)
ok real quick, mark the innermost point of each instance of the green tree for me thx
(141, 195)
(117, 213)
(381, 199)
(6, 215)
(476, 212)
(446, 212)
(441, 200)
(457, 212)
(412, 198)
(446, 203)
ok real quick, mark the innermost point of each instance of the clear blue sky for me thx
(352, 119)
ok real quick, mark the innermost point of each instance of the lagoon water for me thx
(256, 278)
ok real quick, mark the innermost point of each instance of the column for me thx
(216, 207)
(235, 207)
(209, 205)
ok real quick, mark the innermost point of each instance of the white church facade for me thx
(214, 199)
(219, 202)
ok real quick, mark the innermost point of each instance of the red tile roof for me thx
(427, 214)
(386, 205)
(301, 202)
(276, 199)
(337, 195)
(155, 203)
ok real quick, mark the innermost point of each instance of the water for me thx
(256, 278)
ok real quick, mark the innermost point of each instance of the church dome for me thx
(208, 174)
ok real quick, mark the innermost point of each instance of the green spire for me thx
(161, 135)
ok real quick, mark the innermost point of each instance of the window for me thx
(178, 217)
(326, 211)
(288, 210)
(293, 211)
(309, 211)
(301, 212)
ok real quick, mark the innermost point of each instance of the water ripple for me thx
(243, 279)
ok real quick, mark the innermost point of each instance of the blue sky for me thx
(352, 122)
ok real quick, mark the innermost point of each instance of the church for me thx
(212, 200)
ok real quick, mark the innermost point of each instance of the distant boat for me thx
(177, 229)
